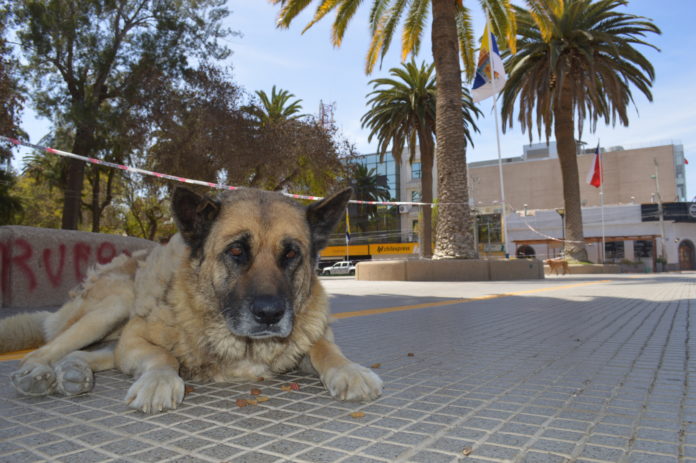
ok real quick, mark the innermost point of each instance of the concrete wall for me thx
(450, 270)
(38, 266)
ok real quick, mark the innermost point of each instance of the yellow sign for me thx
(393, 248)
(340, 251)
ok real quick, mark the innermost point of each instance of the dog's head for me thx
(254, 252)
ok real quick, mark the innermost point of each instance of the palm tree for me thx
(452, 37)
(367, 186)
(575, 57)
(402, 112)
(276, 108)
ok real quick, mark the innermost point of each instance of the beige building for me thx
(534, 179)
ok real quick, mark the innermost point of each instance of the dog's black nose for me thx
(268, 309)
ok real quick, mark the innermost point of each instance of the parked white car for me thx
(343, 267)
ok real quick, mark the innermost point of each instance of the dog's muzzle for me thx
(267, 310)
(261, 316)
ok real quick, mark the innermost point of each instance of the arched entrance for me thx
(525, 251)
(686, 255)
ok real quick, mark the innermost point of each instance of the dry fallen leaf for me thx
(375, 365)
(294, 386)
(255, 391)
(411, 354)
(252, 401)
(260, 378)
(357, 414)
(285, 388)
(262, 398)
(188, 389)
(467, 451)
(241, 403)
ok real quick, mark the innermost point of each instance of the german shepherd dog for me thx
(233, 295)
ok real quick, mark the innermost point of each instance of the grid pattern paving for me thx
(602, 372)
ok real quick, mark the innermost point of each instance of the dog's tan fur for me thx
(95, 313)
(557, 265)
(178, 310)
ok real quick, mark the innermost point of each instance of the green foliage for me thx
(42, 207)
(276, 108)
(89, 63)
(367, 186)
(11, 209)
(387, 15)
(402, 110)
(11, 97)
(583, 47)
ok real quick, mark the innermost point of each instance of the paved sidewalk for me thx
(567, 369)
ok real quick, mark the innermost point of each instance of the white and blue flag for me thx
(490, 72)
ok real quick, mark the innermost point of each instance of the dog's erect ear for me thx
(324, 215)
(194, 215)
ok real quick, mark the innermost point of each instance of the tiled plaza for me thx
(567, 369)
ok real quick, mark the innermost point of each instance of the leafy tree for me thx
(402, 113)
(276, 108)
(11, 103)
(40, 202)
(204, 129)
(367, 186)
(576, 61)
(86, 57)
(452, 37)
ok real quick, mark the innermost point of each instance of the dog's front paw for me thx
(156, 390)
(74, 377)
(35, 379)
(352, 382)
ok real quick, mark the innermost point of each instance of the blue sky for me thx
(311, 68)
(308, 66)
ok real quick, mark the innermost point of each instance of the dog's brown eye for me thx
(236, 251)
(291, 254)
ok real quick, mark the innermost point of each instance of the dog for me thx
(233, 295)
(557, 265)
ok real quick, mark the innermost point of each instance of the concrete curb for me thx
(450, 270)
(38, 266)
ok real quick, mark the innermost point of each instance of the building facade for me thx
(533, 185)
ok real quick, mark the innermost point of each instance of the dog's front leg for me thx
(158, 385)
(345, 380)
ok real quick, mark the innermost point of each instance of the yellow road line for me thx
(14, 355)
(363, 313)
(426, 305)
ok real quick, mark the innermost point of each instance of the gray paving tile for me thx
(24, 456)
(539, 378)
(86, 456)
(389, 452)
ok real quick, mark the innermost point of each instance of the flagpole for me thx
(503, 219)
(601, 199)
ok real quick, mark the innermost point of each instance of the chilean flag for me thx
(594, 176)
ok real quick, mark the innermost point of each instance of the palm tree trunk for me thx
(426, 228)
(454, 226)
(574, 246)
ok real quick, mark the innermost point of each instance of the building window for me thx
(642, 248)
(416, 196)
(614, 250)
(489, 228)
(416, 170)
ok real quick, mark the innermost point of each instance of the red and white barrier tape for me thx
(175, 178)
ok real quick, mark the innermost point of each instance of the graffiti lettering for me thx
(54, 276)
(25, 266)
